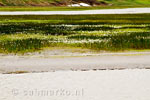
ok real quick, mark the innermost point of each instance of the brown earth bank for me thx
(133, 3)
(50, 2)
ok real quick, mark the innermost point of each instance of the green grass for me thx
(78, 19)
(20, 34)
(128, 2)
(63, 8)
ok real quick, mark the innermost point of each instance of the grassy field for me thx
(20, 34)
(29, 8)
(128, 2)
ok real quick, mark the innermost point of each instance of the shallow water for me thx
(106, 11)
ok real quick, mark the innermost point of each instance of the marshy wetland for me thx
(116, 32)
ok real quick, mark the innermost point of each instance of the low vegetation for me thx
(64, 8)
(20, 34)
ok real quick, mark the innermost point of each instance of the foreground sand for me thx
(77, 85)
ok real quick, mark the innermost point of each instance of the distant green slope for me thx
(65, 2)
(128, 2)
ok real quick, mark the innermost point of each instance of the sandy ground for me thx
(103, 11)
(47, 63)
(77, 85)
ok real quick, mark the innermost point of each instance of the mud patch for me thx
(17, 72)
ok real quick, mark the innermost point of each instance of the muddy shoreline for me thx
(81, 62)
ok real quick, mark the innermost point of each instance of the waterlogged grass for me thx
(95, 32)
(26, 42)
